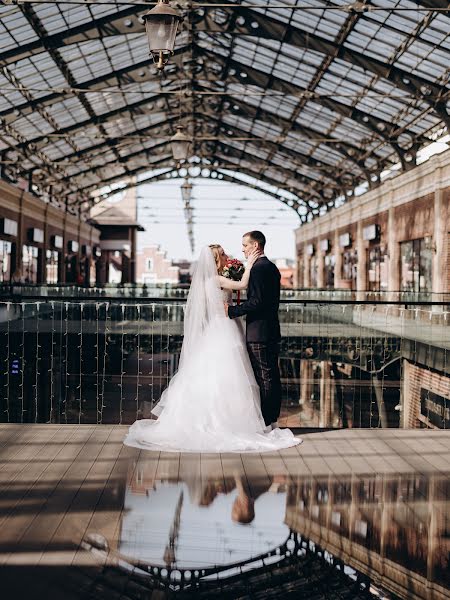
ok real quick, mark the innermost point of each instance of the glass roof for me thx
(310, 98)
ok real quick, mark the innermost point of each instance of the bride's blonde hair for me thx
(216, 248)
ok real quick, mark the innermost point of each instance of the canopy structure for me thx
(305, 99)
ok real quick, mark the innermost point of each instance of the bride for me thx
(212, 403)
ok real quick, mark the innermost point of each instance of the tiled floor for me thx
(82, 516)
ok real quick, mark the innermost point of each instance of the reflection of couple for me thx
(243, 507)
(226, 394)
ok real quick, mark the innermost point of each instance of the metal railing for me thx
(108, 361)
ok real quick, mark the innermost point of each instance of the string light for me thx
(80, 374)
(138, 344)
(37, 372)
(66, 359)
(373, 343)
(22, 365)
(122, 355)
(105, 353)
(7, 385)
(97, 359)
(51, 370)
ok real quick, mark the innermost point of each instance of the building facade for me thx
(153, 266)
(39, 243)
(393, 238)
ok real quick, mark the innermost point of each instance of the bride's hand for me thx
(253, 257)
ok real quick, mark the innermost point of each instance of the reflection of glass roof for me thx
(312, 98)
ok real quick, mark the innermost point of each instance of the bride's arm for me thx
(229, 284)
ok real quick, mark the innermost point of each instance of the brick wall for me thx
(416, 377)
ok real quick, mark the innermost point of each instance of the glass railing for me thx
(180, 291)
(343, 364)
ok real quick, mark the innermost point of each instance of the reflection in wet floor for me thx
(238, 534)
(355, 514)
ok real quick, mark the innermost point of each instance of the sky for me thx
(217, 206)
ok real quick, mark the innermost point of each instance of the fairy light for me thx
(80, 376)
(152, 360)
(122, 353)
(51, 370)
(97, 359)
(66, 358)
(7, 362)
(139, 372)
(37, 361)
(105, 353)
(168, 344)
(373, 393)
(22, 365)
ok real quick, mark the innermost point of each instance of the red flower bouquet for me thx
(234, 270)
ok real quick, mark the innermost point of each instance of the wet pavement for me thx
(88, 518)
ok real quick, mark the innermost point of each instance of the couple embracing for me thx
(226, 394)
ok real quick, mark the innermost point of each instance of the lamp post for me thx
(180, 144)
(186, 192)
(161, 23)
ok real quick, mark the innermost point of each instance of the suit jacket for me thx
(261, 306)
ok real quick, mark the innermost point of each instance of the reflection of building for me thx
(286, 266)
(345, 536)
(152, 266)
(426, 397)
(394, 237)
(391, 528)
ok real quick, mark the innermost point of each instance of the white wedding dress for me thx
(212, 403)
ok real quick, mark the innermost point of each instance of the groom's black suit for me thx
(263, 333)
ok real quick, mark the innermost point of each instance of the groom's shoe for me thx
(274, 425)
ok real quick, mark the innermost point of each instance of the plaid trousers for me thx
(264, 359)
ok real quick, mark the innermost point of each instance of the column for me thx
(362, 261)
(394, 255)
(326, 395)
(20, 235)
(307, 267)
(439, 266)
(320, 267)
(306, 389)
(337, 261)
(46, 245)
(133, 256)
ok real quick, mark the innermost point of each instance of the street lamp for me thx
(161, 23)
(186, 192)
(180, 145)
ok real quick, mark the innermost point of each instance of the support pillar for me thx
(361, 277)
(320, 268)
(394, 255)
(20, 236)
(307, 269)
(337, 261)
(306, 389)
(439, 266)
(326, 395)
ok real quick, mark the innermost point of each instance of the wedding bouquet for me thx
(233, 269)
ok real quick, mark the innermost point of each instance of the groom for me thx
(263, 327)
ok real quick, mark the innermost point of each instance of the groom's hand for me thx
(225, 305)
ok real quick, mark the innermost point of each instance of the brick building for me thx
(153, 266)
(393, 238)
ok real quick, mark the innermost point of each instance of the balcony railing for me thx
(343, 363)
(169, 291)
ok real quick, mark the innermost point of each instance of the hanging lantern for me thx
(180, 145)
(186, 192)
(161, 23)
